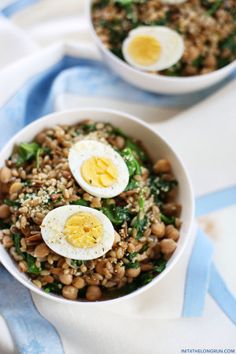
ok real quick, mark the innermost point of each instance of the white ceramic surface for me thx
(157, 83)
(157, 148)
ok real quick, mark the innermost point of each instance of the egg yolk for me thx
(144, 49)
(99, 172)
(83, 230)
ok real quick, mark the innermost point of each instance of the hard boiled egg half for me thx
(78, 232)
(98, 168)
(152, 48)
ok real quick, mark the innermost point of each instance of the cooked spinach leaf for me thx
(139, 224)
(131, 162)
(198, 62)
(16, 241)
(168, 220)
(76, 262)
(131, 256)
(137, 151)
(32, 268)
(88, 128)
(28, 152)
(13, 203)
(116, 214)
(80, 202)
(54, 287)
(160, 265)
(160, 187)
(132, 265)
(133, 184)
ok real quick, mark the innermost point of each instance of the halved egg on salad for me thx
(78, 232)
(98, 168)
(153, 48)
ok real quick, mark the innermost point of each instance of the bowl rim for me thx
(59, 298)
(147, 75)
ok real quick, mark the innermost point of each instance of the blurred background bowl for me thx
(154, 82)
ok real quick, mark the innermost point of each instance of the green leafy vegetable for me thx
(175, 70)
(117, 131)
(80, 202)
(137, 151)
(16, 240)
(132, 265)
(116, 214)
(160, 187)
(229, 43)
(160, 265)
(131, 256)
(32, 268)
(144, 279)
(133, 184)
(28, 152)
(144, 248)
(4, 225)
(141, 203)
(139, 224)
(88, 128)
(76, 262)
(54, 287)
(198, 62)
(168, 220)
(214, 7)
(131, 162)
(13, 203)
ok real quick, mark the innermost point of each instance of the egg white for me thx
(52, 232)
(86, 149)
(171, 42)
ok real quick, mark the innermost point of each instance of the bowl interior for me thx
(156, 147)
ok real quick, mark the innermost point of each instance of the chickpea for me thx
(15, 188)
(40, 137)
(100, 267)
(41, 251)
(79, 282)
(37, 283)
(168, 246)
(158, 229)
(70, 292)
(120, 142)
(210, 61)
(133, 272)
(66, 279)
(172, 233)
(23, 266)
(96, 203)
(4, 211)
(162, 166)
(93, 293)
(117, 238)
(172, 209)
(5, 175)
(7, 241)
(145, 267)
(120, 253)
(47, 279)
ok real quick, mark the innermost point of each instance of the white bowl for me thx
(157, 148)
(157, 83)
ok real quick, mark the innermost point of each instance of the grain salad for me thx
(37, 180)
(207, 27)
